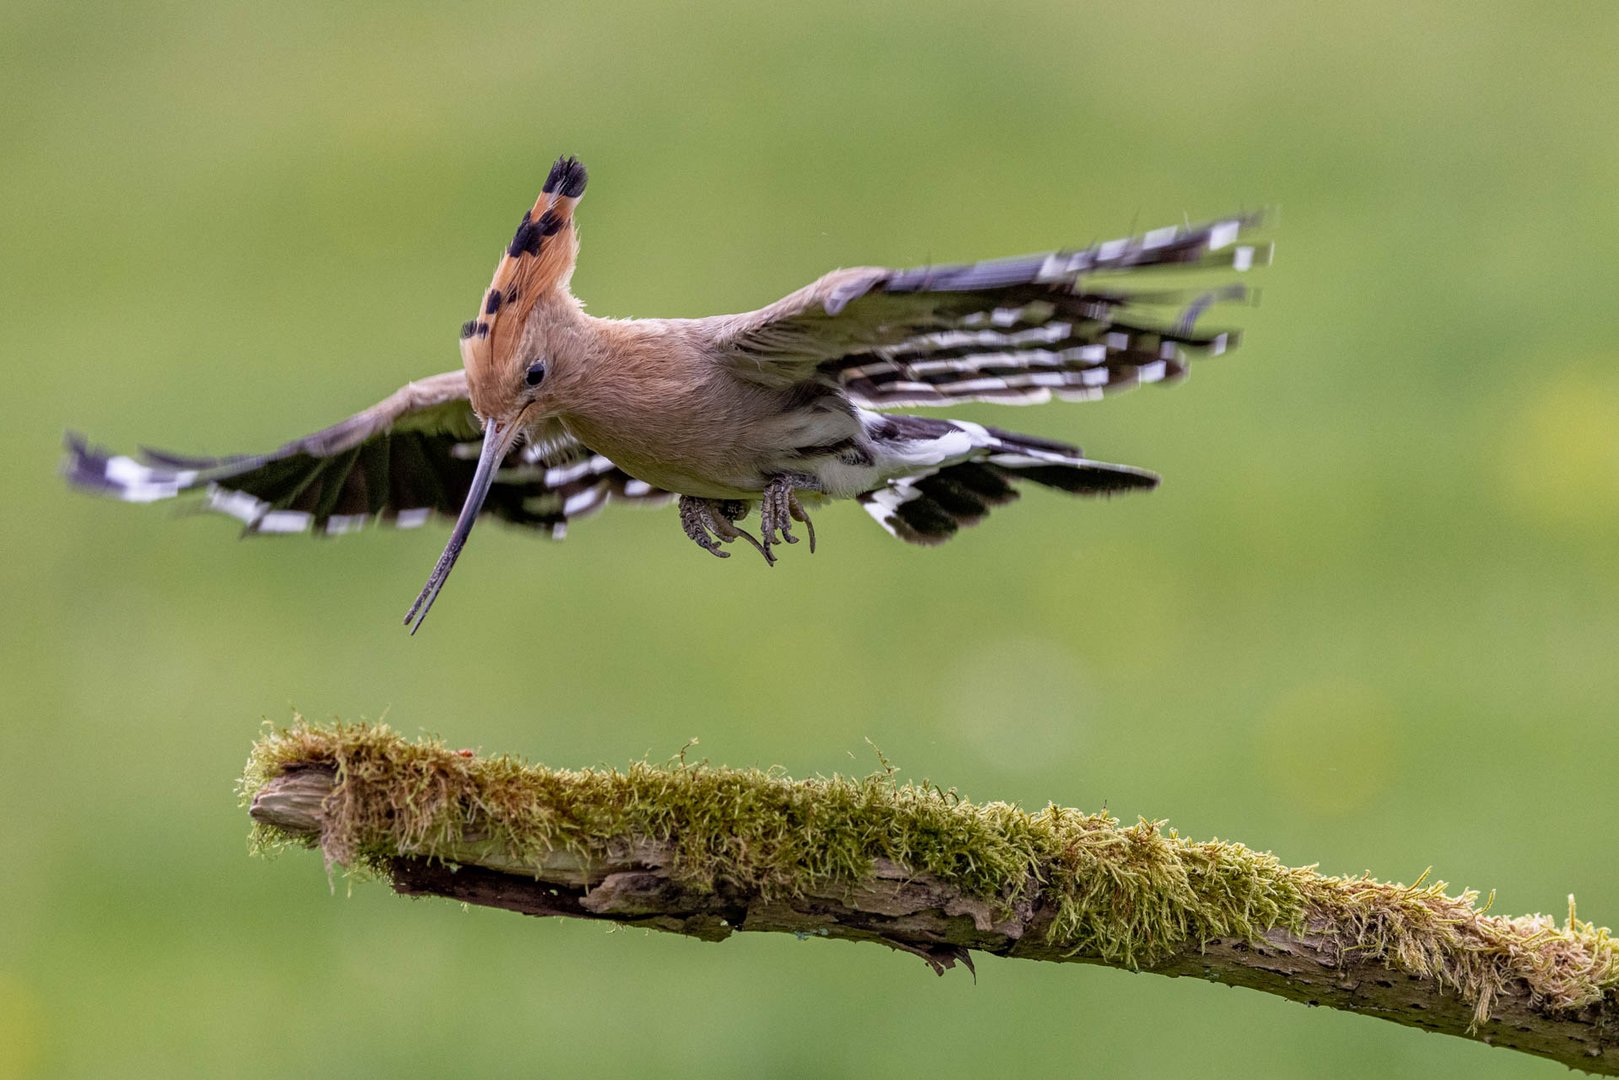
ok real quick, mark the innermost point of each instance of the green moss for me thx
(1131, 895)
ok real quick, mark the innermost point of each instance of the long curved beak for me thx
(497, 442)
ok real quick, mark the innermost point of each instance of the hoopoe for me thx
(555, 412)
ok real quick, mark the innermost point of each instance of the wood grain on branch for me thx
(729, 851)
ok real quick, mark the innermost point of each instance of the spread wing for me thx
(401, 461)
(1067, 324)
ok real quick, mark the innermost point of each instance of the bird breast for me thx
(695, 429)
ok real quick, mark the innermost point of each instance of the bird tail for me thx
(931, 503)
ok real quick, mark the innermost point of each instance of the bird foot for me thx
(711, 522)
(777, 511)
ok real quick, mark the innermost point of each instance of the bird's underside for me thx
(1066, 325)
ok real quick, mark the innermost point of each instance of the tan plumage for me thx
(762, 408)
(535, 267)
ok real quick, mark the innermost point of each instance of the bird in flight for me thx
(555, 412)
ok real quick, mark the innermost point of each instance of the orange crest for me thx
(539, 258)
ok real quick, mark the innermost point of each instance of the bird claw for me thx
(696, 519)
(778, 510)
(796, 508)
(711, 523)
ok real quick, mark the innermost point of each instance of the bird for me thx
(555, 412)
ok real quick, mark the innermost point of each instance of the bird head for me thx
(505, 348)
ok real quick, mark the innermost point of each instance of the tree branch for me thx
(706, 852)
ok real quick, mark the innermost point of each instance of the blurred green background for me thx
(1370, 620)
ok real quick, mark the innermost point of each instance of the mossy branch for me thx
(706, 851)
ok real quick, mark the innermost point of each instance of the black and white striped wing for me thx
(1070, 325)
(401, 462)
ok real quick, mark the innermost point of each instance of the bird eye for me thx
(536, 373)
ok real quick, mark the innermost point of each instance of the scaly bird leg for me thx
(779, 509)
(709, 523)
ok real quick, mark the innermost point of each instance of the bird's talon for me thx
(796, 509)
(749, 537)
(778, 509)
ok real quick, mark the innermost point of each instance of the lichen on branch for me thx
(706, 851)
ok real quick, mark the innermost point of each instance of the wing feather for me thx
(402, 461)
(1067, 324)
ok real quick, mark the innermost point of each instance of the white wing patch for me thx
(142, 483)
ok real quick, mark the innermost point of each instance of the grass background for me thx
(1369, 621)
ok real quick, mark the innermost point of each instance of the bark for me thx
(916, 913)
